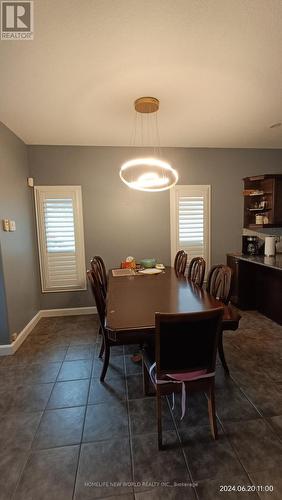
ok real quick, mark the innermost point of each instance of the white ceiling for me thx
(215, 65)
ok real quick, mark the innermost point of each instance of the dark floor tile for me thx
(49, 474)
(152, 465)
(25, 398)
(69, 393)
(271, 481)
(84, 351)
(18, 430)
(131, 367)
(131, 349)
(112, 465)
(214, 489)
(179, 492)
(266, 397)
(276, 423)
(135, 387)
(60, 427)
(209, 458)
(42, 354)
(143, 417)
(74, 324)
(115, 350)
(12, 463)
(46, 325)
(38, 373)
(28, 374)
(256, 444)
(115, 368)
(106, 421)
(196, 410)
(231, 404)
(83, 338)
(75, 370)
(108, 391)
(121, 497)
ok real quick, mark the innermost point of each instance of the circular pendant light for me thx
(150, 173)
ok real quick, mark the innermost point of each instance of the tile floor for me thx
(65, 435)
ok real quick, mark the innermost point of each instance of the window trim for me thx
(73, 191)
(197, 189)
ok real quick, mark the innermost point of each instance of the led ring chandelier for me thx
(150, 173)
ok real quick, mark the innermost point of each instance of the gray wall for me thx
(19, 255)
(119, 221)
(4, 327)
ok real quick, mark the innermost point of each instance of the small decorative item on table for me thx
(148, 263)
(128, 263)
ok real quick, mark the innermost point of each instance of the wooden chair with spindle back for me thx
(98, 266)
(219, 286)
(109, 338)
(180, 262)
(184, 358)
(196, 270)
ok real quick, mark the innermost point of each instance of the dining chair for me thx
(180, 262)
(109, 338)
(219, 286)
(196, 270)
(98, 264)
(183, 358)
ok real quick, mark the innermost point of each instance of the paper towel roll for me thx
(269, 246)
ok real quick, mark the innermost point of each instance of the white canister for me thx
(269, 246)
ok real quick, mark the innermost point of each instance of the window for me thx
(190, 221)
(60, 238)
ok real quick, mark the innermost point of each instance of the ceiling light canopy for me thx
(150, 173)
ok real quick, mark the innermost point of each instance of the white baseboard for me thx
(9, 349)
(70, 311)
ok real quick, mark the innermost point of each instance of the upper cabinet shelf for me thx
(263, 201)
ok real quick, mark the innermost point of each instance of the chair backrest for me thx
(196, 270)
(99, 296)
(187, 342)
(219, 282)
(98, 265)
(180, 262)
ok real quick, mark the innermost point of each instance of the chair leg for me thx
(106, 359)
(145, 379)
(101, 349)
(221, 353)
(159, 419)
(211, 408)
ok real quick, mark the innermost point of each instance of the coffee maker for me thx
(250, 245)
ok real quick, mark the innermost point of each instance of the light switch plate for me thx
(12, 225)
(6, 225)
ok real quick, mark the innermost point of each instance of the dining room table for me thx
(133, 300)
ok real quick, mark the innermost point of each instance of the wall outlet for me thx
(14, 336)
(6, 226)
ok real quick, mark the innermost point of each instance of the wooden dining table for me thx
(132, 302)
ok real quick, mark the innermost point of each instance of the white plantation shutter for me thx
(60, 238)
(190, 221)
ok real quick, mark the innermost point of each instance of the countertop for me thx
(273, 262)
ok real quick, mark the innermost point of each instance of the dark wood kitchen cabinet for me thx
(243, 283)
(263, 198)
(257, 284)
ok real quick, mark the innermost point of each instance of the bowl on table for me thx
(148, 263)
